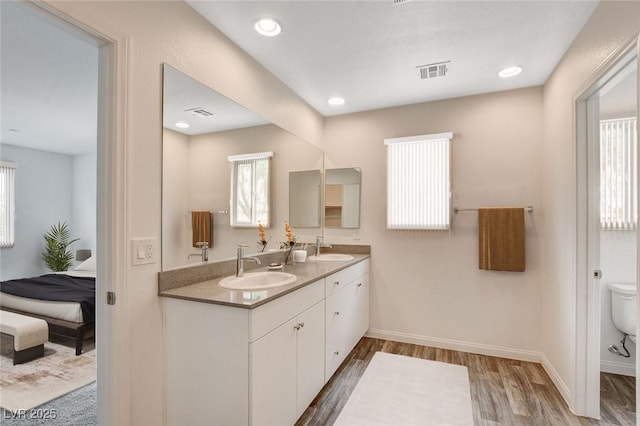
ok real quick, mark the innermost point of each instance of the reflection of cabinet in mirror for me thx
(333, 205)
(342, 198)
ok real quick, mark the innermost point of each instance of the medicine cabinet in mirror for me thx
(196, 174)
(305, 192)
(342, 198)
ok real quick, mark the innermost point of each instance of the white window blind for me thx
(250, 176)
(618, 173)
(418, 182)
(7, 204)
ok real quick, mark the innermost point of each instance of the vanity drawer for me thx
(340, 279)
(269, 316)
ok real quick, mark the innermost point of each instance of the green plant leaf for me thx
(57, 241)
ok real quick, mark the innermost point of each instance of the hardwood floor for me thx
(503, 391)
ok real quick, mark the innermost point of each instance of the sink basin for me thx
(258, 280)
(331, 257)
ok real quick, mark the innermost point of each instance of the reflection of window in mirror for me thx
(250, 195)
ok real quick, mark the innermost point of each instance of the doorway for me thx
(607, 206)
(110, 201)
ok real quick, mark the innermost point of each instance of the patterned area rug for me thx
(59, 372)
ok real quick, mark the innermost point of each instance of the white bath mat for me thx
(405, 391)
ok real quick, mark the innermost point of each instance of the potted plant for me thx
(56, 251)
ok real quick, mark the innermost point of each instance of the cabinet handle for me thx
(336, 282)
(336, 313)
(359, 284)
(336, 353)
(301, 324)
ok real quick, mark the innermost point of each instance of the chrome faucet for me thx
(319, 244)
(240, 258)
(204, 251)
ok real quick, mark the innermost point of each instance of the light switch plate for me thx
(144, 251)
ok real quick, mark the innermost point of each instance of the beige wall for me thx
(171, 32)
(427, 284)
(611, 24)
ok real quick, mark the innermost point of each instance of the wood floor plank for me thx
(504, 392)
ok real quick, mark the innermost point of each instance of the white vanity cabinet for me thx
(287, 369)
(227, 365)
(347, 313)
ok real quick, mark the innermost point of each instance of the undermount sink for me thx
(258, 280)
(331, 257)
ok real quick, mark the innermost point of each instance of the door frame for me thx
(112, 328)
(586, 400)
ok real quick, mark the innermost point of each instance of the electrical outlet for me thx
(144, 251)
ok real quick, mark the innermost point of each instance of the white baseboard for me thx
(557, 380)
(455, 345)
(614, 367)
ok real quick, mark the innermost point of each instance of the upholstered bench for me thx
(29, 335)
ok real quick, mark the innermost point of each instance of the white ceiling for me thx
(181, 93)
(49, 83)
(368, 51)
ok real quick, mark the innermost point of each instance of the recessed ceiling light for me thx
(267, 27)
(510, 71)
(336, 101)
(182, 125)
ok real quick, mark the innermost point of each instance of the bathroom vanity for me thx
(238, 357)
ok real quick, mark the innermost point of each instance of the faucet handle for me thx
(240, 250)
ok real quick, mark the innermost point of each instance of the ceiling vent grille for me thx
(199, 111)
(399, 2)
(435, 70)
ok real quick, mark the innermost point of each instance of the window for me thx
(418, 188)
(250, 175)
(7, 204)
(618, 173)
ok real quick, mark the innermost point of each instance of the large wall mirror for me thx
(342, 198)
(196, 174)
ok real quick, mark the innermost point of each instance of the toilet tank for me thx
(623, 307)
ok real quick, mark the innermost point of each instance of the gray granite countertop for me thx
(210, 292)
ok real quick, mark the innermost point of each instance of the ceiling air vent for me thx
(201, 112)
(399, 2)
(435, 70)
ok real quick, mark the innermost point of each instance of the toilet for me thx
(623, 308)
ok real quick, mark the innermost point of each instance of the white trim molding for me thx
(456, 345)
(557, 381)
(408, 139)
(621, 368)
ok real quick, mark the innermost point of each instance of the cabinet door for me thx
(310, 367)
(361, 320)
(339, 319)
(273, 377)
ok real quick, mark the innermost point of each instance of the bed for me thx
(65, 300)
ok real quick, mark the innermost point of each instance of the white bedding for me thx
(67, 311)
